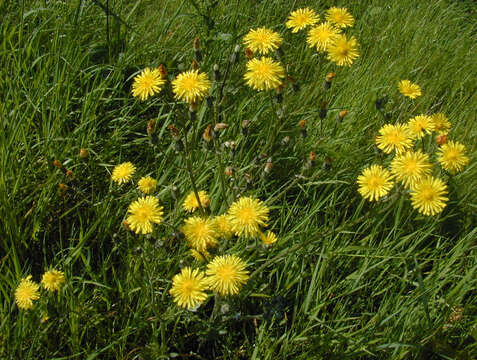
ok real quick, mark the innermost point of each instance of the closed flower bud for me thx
(302, 126)
(341, 115)
(57, 163)
(174, 192)
(442, 139)
(249, 53)
(294, 84)
(151, 127)
(327, 163)
(220, 126)
(245, 125)
(197, 52)
(210, 101)
(195, 64)
(69, 174)
(285, 141)
(323, 109)
(229, 171)
(328, 80)
(216, 72)
(236, 55)
(63, 187)
(208, 135)
(195, 44)
(174, 131)
(126, 225)
(83, 154)
(162, 71)
(279, 94)
(268, 166)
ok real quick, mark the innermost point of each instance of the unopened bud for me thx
(249, 53)
(442, 139)
(268, 166)
(323, 109)
(279, 94)
(216, 72)
(162, 71)
(174, 192)
(248, 179)
(302, 126)
(195, 64)
(285, 141)
(63, 187)
(236, 55)
(207, 135)
(57, 163)
(245, 126)
(83, 154)
(174, 131)
(69, 174)
(220, 126)
(126, 225)
(196, 44)
(328, 80)
(197, 52)
(151, 127)
(341, 115)
(229, 171)
(294, 83)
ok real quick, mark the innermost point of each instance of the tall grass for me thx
(347, 279)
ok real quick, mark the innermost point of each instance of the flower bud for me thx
(327, 163)
(294, 84)
(229, 171)
(162, 71)
(302, 126)
(83, 154)
(220, 126)
(57, 163)
(236, 55)
(245, 126)
(279, 94)
(151, 127)
(381, 102)
(323, 109)
(442, 139)
(268, 166)
(69, 174)
(285, 141)
(195, 64)
(341, 115)
(63, 187)
(197, 52)
(216, 72)
(328, 79)
(208, 134)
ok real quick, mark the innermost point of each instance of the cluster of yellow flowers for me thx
(225, 274)
(28, 291)
(327, 37)
(411, 166)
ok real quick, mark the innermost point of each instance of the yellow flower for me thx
(452, 156)
(247, 215)
(375, 182)
(268, 238)
(200, 233)
(188, 288)
(52, 280)
(411, 167)
(122, 173)
(191, 86)
(321, 36)
(190, 203)
(226, 274)
(409, 89)
(441, 123)
(200, 256)
(340, 17)
(420, 125)
(428, 196)
(147, 83)
(224, 226)
(144, 212)
(264, 74)
(262, 40)
(394, 137)
(26, 292)
(342, 51)
(147, 184)
(301, 18)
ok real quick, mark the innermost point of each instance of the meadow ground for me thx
(347, 278)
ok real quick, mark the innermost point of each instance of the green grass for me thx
(348, 279)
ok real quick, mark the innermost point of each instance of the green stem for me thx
(189, 171)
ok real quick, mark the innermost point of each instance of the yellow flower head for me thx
(321, 36)
(262, 40)
(200, 256)
(342, 51)
(264, 74)
(247, 215)
(441, 123)
(420, 125)
(147, 184)
(200, 233)
(191, 86)
(340, 17)
(268, 238)
(52, 280)
(411, 167)
(190, 203)
(147, 83)
(409, 89)
(394, 138)
(301, 18)
(224, 226)
(226, 274)
(375, 182)
(429, 196)
(122, 173)
(452, 156)
(26, 292)
(188, 288)
(144, 212)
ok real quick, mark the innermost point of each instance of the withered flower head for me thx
(248, 53)
(442, 139)
(151, 127)
(162, 71)
(207, 135)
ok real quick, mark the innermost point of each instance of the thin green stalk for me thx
(191, 174)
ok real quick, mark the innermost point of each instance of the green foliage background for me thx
(347, 280)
